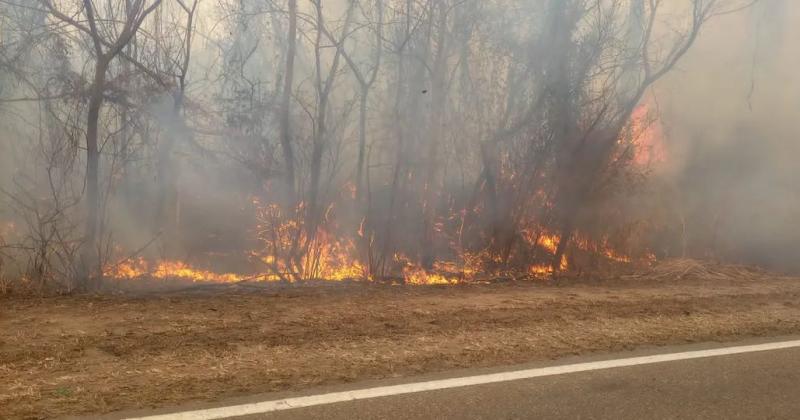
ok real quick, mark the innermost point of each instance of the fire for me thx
(647, 136)
(546, 269)
(603, 248)
(325, 256)
(442, 273)
(418, 276)
(614, 256)
(540, 236)
(289, 253)
(334, 267)
(335, 261)
(549, 242)
(167, 269)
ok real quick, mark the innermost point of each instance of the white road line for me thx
(385, 391)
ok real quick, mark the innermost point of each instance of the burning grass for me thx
(453, 239)
(296, 244)
(327, 258)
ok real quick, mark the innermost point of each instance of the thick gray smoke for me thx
(730, 116)
(471, 135)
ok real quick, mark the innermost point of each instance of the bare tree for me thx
(386, 134)
(587, 153)
(105, 50)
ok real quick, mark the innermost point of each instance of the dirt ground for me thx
(96, 354)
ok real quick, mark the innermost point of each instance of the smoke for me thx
(730, 116)
(421, 133)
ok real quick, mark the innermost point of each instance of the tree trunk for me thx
(320, 136)
(565, 235)
(91, 271)
(286, 96)
(400, 115)
(438, 93)
(362, 143)
(168, 171)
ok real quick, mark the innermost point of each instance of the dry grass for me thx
(682, 269)
(75, 355)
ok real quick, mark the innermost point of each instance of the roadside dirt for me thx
(78, 355)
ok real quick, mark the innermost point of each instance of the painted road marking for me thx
(385, 391)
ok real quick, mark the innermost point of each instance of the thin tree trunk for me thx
(91, 271)
(286, 96)
(320, 135)
(362, 142)
(168, 166)
(399, 112)
(436, 131)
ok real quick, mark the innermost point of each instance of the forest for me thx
(412, 141)
(215, 205)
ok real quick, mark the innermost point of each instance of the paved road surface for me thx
(752, 385)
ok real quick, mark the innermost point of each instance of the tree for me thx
(286, 96)
(104, 51)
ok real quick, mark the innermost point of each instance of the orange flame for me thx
(166, 269)
(416, 275)
(647, 136)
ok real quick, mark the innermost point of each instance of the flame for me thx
(335, 261)
(549, 242)
(546, 269)
(288, 252)
(335, 267)
(327, 256)
(647, 136)
(167, 269)
(418, 276)
(442, 273)
(614, 256)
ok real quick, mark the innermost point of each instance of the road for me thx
(761, 381)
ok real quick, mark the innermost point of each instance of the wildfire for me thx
(546, 269)
(549, 242)
(335, 260)
(335, 267)
(614, 256)
(580, 243)
(167, 269)
(414, 274)
(290, 253)
(647, 136)
(418, 276)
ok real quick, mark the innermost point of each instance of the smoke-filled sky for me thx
(730, 112)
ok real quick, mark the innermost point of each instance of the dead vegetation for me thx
(459, 137)
(680, 269)
(91, 354)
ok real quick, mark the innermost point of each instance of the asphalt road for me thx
(754, 385)
(764, 385)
